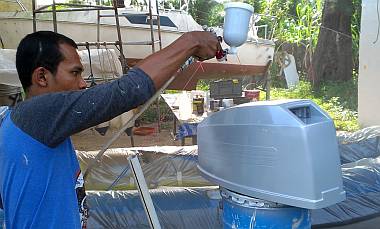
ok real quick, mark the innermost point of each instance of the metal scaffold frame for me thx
(154, 16)
(80, 7)
(119, 43)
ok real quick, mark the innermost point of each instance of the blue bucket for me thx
(241, 211)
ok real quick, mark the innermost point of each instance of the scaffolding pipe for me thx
(68, 10)
(34, 15)
(122, 57)
(54, 17)
(151, 26)
(98, 27)
(105, 43)
(89, 7)
(159, 25)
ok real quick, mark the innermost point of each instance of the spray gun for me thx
(236, 22)
(221, 55)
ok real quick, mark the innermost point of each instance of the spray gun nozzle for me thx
(221, 55)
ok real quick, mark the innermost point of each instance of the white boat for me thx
(253, 57)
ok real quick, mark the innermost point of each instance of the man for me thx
(38, 167)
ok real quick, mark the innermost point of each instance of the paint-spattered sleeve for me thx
(51, 118)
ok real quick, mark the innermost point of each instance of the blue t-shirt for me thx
(41, 185)
(38, 188)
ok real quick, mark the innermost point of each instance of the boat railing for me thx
(255, 29)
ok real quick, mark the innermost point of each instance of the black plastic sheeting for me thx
(176, 208)
(192, 208)
(359, 145)
(360, 157)
(361, 177)
(181, 207)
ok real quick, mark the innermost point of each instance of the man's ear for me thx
(39, 77)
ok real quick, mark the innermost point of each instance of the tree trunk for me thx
(332, 59)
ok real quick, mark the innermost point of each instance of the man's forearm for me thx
(161, 65)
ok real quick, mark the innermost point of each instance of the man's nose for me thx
(82, 83)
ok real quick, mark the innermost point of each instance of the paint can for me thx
(252, 94)
(214, 105)
(240, 211)
(198, 105)
(227, 103)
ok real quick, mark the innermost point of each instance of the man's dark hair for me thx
(39, 49)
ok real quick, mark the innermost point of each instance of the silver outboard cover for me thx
(282, 151)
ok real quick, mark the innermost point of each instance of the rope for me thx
(196, 70)
(91, 76)
(335, 31)
(114, 70)
(2, 43)
(100, 61)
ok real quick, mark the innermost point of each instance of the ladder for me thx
(153, 16)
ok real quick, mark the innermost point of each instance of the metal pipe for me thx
(97, 43)
(122, 57)
(41, 8)
(90, 7)
(159, 25)
(267, 81)
(98, 28)
(20, 4)
(151, 25)
(145, 197)
(54, 17)
(34, 15)
(68, 10)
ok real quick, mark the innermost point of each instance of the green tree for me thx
(201, 11)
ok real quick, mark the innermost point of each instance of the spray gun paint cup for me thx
(236, 23)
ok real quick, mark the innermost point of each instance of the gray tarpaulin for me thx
(162, 166)
(182, 207)
(360, 157)
(358, 145)
(361, 177)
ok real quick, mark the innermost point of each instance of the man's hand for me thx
(163, 64)
(207, 44)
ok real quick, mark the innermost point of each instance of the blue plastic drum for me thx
(241, 211)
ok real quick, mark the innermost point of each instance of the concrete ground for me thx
(91, 140)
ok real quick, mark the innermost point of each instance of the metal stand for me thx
(146, 199)
(79, 7)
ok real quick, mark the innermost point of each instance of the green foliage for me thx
(339, 100)
(355, 29)
(151, 115)
(202, 11)
(298, 22)
(203, 85)
(216, 16)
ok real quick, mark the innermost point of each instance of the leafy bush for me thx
(339, 100)
(151, 116)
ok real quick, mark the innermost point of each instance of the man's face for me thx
(69, 71)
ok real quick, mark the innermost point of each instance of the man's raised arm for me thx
(161, 65)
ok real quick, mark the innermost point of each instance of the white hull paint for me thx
(81, 27)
